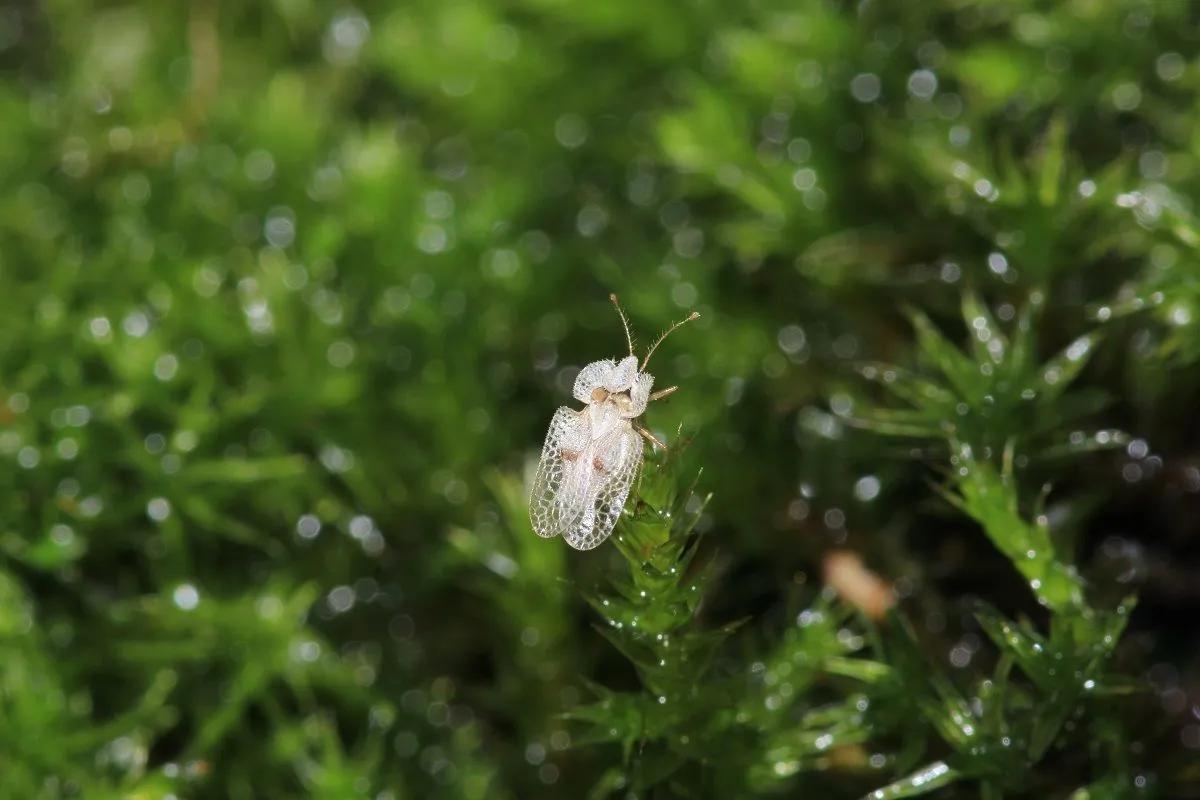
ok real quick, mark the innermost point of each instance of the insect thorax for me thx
(621, 400)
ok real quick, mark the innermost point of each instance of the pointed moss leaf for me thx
(858, 255)
(897, 422)
(918, 391)
(904, 654)
(599, 691)
(1115, 622)
(989, 497)
(1051, 162)
(1024, 647)
(665, 614)
(951, 724)
(1112, 788)
(51, 552)
(654, 764)
(612, 781)
(859, 669)
(960, 371)
(1058, 373)
(623, 639)
(617, 718)
(805, 744)
(242, 470)
(690, 658)
(1023, 349)
(1079, 443)
(1117, 685)
(1013, 183)
(1049, 721)
(987, 340)
(993, 695)
(934, 776)
(838, 715)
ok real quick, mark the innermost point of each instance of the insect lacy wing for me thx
(593, 376)
(622, 375)
(551, 508)
(621, 458)
(639, 394)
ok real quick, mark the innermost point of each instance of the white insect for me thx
(593, 456)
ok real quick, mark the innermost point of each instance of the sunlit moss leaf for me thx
(1117, 685)
(758, 61)
(936, 775)
(851, 258)
(1021, 644)
(994, 696)
(289, 119)
(610, 781)
(663, 615)
(908, 385)
(807, 651)
(951, 717)
(1060, 371)
(199, 509)
(1113, 623)
(1014, 183)
(1050, 163)
(989, 496)
(1066, 668)
(751, 238)
(821, 732)
(994, 74)
(896, 422)
(234, 470)
(868, 672)
(987, 339)
(938, 163)
(701, 139)
(616, 717)
(1117, 787)
(960, 371)
(1076, 405)
(698, 138)
(50, 552)
(154, 710)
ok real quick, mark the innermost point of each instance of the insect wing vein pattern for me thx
(609, 476)
(551, 510)
(592, 457)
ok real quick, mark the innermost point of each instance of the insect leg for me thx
(661, 393)
(650, 437)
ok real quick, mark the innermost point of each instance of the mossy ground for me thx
(289, 292)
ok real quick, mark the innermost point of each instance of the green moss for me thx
(289, 293)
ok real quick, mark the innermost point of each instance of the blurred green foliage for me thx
(290, 291)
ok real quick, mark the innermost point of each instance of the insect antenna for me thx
(688, 318)
(624, 322)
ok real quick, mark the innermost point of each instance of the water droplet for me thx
(1079, 348)
(158, 509)
(186, 597)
